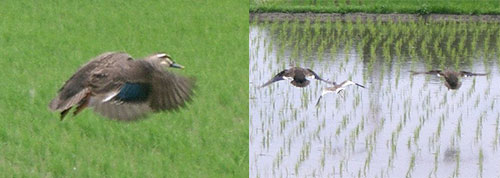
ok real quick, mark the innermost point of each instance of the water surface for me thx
(400, 125)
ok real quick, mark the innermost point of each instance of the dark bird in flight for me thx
(337, 88)
(452, 78)
(298, 75)
(121, 88)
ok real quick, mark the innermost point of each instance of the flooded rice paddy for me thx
(401, 125)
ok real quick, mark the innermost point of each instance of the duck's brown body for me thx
(119, 87)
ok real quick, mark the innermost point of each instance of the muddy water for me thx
(400, 125)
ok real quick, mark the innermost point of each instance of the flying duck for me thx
(121, 88)
(337, 88)
(452, 80)
(298, 75)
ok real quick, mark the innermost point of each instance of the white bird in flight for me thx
(337, 88)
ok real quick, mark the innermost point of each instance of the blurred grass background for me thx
(378, 6)
(42, 43)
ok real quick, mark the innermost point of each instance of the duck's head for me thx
(164, 60)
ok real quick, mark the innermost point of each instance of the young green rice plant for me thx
(349, 28)
(474, 40)
(411, 165)
(436, 159)
(481, 158)
(479, 128)
(387, 48)
(294, 29)
(360, 26)
(317, 26)
(284, 34)
(321, 49)
(486, 46)
(315, 32)
(450, 40)
(338, 28)
(456, 172)
(328, 28)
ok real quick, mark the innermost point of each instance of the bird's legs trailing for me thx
(341, 93)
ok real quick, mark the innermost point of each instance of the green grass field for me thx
(42, 43)
(378, 6)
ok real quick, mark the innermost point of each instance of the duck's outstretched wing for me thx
(124, 101)
(469, 74)
(170, 91)
(77, 89)
(122, 111)
(431, 72)
(276, 78)
(140, 88)
(317, 77)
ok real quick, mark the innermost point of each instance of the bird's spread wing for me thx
(61, 104)
(170, 91)
(359, 85)
(139, 87)
(73, 89)
(121, 111)
(317, 77)
(133, 92)
(432, 72)
(76, 87)
(468, 74)
(348, 82)
(127, 103)
(276, 78)
(121, 99)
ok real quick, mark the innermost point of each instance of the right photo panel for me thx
(356, 88)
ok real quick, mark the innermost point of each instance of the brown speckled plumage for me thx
(100, 83)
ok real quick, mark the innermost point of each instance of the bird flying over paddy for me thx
(452, 78)
(337, 88)
(121, 88)
(299, 77)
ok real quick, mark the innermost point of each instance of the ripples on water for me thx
(400, 125)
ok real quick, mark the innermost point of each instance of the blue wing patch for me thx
(134, 92)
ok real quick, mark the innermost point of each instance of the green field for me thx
(378, 6)
(42, 43)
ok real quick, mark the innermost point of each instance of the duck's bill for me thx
(177, 66)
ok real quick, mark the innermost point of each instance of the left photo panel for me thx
(124, 89)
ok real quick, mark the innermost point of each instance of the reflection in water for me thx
(400, 125)
(451, 78)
